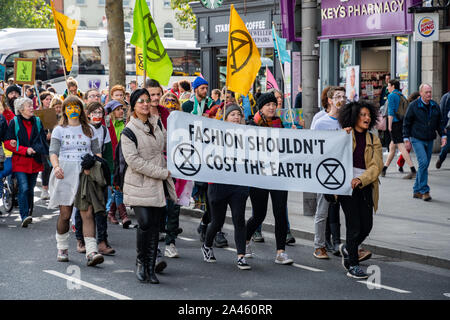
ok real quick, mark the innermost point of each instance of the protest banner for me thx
(48, 118)
(208, 150)
(24, 71)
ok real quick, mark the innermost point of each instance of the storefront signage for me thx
(216, 31)
(426, 27)
(347, 19)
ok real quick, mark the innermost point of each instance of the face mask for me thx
(73, 111)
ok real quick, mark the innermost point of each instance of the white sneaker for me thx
(171, 251)
(45, 195)
(282, 258)
(248, 251)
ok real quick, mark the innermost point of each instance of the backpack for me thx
(120, 165)
(402, 107)
(16, 129)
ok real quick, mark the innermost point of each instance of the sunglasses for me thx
(140, 100)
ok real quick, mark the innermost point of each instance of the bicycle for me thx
(10, 191)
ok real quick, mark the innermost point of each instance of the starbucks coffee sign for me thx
(211, 4)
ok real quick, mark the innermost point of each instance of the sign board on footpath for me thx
(208, 150)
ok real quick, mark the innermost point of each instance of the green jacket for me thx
(118, 127)
(91, 190)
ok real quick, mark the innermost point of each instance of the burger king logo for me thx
(426, 27)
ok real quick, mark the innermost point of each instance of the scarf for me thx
(197, 104)
(261, 120)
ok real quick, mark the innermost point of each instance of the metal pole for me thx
(310, 76)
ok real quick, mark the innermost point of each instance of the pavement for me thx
(403, 228)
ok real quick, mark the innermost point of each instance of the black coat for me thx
(422, 122)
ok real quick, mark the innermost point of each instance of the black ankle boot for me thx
(152, 251)
(142, 258)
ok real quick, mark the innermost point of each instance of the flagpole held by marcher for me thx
(282, 73)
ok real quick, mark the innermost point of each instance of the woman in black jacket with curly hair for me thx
(359, 118)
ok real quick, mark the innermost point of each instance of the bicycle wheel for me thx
(7, 201)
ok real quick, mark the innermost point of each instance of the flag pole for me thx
(282, 72)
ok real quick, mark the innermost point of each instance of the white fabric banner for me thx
(209, 150)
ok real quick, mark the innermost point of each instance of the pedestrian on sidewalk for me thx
(26, 138)
(422, 120)
(265, 117)
(95, 113)
(359, 118)
(147, 182)
(222, 195)
(445, 113)
(395, 126)
(71, 141)
(336, 99)
(401, 161)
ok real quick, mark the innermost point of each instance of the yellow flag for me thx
(243, 58)
(139, 62)
(65, 29)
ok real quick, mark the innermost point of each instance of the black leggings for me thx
(149, 218)
(220, 196)
(358, 210)
(259, 198)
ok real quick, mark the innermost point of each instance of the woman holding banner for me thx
(222, 195)
(359, 118)
(265, 117)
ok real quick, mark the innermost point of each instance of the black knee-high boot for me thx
(142, 254)
(152, 251)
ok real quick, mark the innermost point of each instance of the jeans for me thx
(445, 149)
(7, 170)
(26, 183)
(423, 150)
(320, 221)
(114, 196)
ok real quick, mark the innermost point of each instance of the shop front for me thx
(212, 37)
(362, 41)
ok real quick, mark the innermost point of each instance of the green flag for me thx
(145, 35)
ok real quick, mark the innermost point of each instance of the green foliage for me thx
(184, 15)
(25, 14)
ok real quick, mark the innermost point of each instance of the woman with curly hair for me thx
(359, 118)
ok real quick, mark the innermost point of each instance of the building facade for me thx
(91, 14)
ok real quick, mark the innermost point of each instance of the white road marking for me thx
(186, 239)
(231, 249)
(375, 285)
(88, 285)
(306, 267)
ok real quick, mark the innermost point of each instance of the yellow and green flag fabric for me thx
(66, 29)
(243, 58)
(145, 35)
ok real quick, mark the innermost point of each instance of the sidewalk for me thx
(404, 228)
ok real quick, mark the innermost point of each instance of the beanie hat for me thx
(264, 99)
(12, 88)
(198, 82)
(113, 104)
(135, 96)
(230, 108)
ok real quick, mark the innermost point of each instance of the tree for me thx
(116, 42)
(186, 18)
(25, 14)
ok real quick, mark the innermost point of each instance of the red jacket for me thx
(21, 162)
(9, 115)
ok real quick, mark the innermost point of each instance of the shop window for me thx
(101, 2)
(402, 65)
(126, 26)
(89, 59)
(168, 30)
(82, 25)
(298, 18)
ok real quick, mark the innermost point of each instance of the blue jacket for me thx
(445, 108)
(393, 103)
(422, 122)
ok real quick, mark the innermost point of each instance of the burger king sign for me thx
(426, 27)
